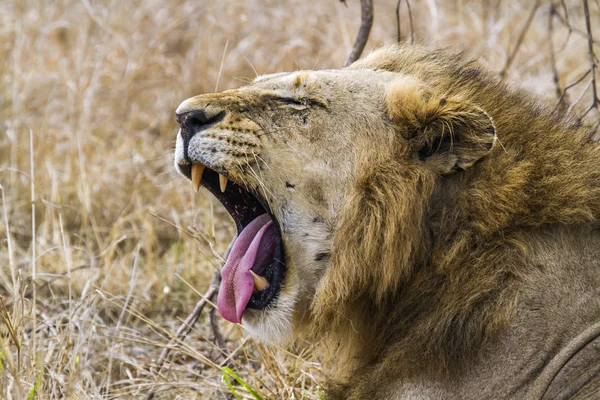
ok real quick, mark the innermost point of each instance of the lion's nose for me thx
(195, 121)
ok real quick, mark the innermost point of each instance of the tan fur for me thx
(429, 180)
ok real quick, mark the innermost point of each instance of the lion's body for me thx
(454, 223)
(550, 348)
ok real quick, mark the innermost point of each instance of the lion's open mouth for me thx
(254, 269)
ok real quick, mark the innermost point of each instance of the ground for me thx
(104, 250)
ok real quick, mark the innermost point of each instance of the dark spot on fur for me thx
(318, 220)
(470, 74)
(289, 185)
(304, 120)
(321, 256)
(315, 191)
(214, 150)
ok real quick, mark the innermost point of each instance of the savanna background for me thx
(105, 250)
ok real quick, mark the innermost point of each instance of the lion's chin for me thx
(272, 324)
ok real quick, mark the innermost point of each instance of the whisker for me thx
(259, 179)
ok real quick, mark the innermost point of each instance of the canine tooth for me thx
(197, 171)
(223, 183)
(260, 282)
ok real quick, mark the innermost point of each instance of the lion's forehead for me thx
(289, 84)
(320, 84)
(320, 80)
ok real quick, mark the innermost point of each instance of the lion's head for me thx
(406, 211)
(329, 176)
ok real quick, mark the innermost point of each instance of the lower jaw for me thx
(268, 326)
(274, 323)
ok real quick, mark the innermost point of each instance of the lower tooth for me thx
(260, 282)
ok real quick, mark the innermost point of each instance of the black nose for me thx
(195, 121)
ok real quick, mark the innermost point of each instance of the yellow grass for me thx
(88, 91)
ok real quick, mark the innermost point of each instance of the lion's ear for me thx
(447, 134)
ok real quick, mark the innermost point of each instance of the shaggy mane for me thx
(426, 268)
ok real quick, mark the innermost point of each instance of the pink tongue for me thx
(253, 247)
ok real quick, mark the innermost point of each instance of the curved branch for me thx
(366, 22)
(185, 328)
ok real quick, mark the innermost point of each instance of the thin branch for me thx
(366, 22)
(186, 327)
(569, 86)
(588, 27)
(412, 37)
(580, 96)
(587, 110)
(219, 340)
(567, 20)
(398, 37)
(555, 77)
(594, 130)
(567, 23)
(410, 21)
(569, 29)
(522, 34)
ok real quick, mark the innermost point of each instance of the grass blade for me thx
(228, 372)
(33, 390)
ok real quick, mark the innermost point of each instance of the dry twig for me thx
(567, 23)
(219, 340)
(398, 36)
(590, 38)
(562, 93)
(187, 325)
(366, 22)
(410, 22)
(410, 19)
(555, 77)
(522, 34)
(569, 86)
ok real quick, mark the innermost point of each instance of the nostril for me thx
(195, 121)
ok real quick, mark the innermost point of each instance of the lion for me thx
(434, 230)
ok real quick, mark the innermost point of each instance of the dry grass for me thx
(87, 97)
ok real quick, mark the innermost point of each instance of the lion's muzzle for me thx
(212, 144)
(195, 121)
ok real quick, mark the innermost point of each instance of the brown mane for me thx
(426, 270)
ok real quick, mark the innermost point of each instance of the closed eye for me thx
(291, 101)
(296, 104)
(303, 103)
